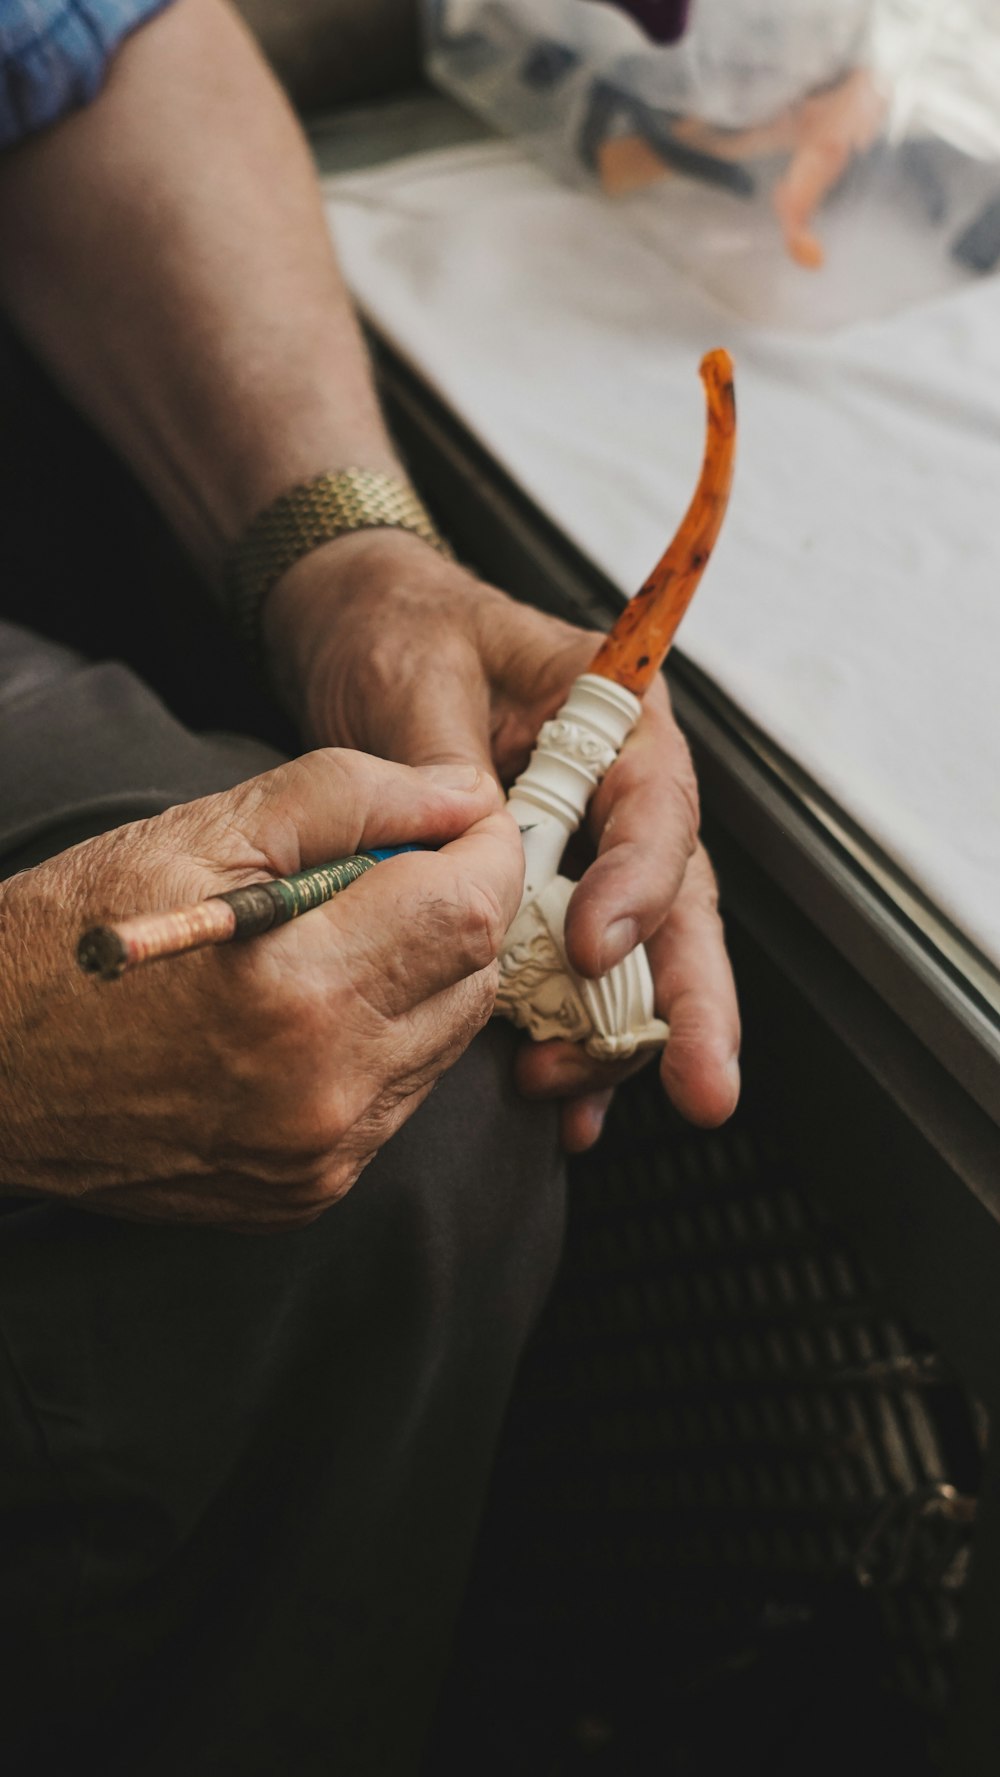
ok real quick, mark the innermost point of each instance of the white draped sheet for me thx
(853, 607)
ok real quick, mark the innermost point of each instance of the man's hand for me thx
(377, 643)
(202, 324)
(249, 1085)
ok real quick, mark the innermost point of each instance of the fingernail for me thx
(620, 937)
(733, 1080)
(452, 774)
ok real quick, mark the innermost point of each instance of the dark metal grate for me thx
(732, 1477)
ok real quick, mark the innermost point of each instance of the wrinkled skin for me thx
(379, 644)
(248, 1085)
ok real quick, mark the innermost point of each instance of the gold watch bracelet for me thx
(303, 519)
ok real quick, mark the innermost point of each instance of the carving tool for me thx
(110, 950)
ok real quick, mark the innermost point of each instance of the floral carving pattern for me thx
(580, 745)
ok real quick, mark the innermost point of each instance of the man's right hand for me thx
(248, 1085)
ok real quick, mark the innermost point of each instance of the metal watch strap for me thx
(306, 517)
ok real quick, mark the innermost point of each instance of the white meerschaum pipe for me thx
(613, 1017)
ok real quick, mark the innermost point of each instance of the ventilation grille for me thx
(736, 1496)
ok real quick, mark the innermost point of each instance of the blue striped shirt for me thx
(54, 55)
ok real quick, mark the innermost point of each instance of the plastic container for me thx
(809, 162)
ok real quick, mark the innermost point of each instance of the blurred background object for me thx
(860, 137)
(334, 52)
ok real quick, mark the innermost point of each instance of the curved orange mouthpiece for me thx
(634, 651)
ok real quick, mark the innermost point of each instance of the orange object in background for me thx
(626, 164)
(821, 135)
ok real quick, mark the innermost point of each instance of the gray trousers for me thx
(240, 1476)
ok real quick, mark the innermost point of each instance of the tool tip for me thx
(101, 952)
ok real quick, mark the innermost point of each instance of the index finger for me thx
(644, 816)
(419, 923)
(335, 801)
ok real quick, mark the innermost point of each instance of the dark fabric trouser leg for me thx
(240, 1476)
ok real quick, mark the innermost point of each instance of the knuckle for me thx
(484, 988)
(483, 925)
(480, 1002)
(332, 777)
(311, 1158)
(335, 1181)
(472, 1006)
(687, 802)
(708, 892)
(704, 885)
(707, 905)
(305, 1197)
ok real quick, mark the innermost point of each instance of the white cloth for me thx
(852, 609)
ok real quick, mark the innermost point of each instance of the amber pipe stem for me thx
(635, 649)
